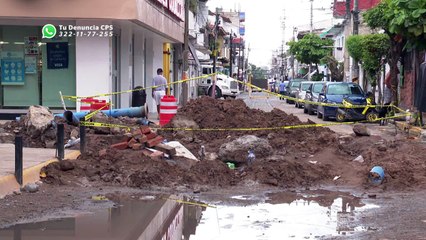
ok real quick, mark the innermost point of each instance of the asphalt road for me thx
(268, 102)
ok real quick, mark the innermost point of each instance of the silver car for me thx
(301, 93)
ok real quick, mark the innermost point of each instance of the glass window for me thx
(343, 89)
(317, 87)
(295, 85)
(305, 86)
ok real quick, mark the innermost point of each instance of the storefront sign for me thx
(31, 45)
(30, 64)
(57, 55)
(176, 7)
(12, 68)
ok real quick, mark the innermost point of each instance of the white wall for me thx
(93, 71)
(126, 67)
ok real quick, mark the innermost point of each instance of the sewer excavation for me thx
(203, 147)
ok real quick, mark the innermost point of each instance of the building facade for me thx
(123, 44)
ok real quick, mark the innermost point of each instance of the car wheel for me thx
(372, 116)
(218, 92)
(233, 97)
(340, 117)
(319, 115)
(310, 112)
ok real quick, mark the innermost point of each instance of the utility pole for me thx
(283, 45)
(185, 54)
(355, 32)
(231, 54)
(292, 56)
(216, 27)
(312, 16)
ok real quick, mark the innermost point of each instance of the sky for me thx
(263, 22)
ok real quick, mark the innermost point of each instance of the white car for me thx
(301, 93)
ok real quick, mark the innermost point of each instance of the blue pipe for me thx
(123, 112)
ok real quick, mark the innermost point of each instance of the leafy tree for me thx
(408, 18)
(311, 49)
(375, 49)
(370, 50)
(354, 44)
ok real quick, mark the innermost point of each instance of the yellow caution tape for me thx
(90, 115)
(310, 102)
(96, 124)
(99, 198)
(190, 203)
(106, 125)
(75, 98)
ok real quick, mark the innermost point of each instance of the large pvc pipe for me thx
(123, 112)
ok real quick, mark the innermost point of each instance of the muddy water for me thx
(238, 218)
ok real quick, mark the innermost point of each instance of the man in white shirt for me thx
(159, 88)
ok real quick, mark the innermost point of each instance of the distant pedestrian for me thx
(159, 88)
(282, 89)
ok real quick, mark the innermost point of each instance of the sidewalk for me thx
(33, 160)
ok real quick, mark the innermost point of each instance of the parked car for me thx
(312, 95)
(291, 89)
(334, 92)
(301, 93)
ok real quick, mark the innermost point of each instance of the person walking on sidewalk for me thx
(282, 89)
(159, 88)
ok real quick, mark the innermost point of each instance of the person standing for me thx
(158, 88)
(282, 89)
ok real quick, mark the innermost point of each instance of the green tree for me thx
(404, 21)
(370, 50)
(311, 49)
(408, 18)
(375, 50)
(354, 44)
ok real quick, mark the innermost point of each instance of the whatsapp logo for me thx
(49, 31)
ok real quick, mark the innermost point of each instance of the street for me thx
(267, 102)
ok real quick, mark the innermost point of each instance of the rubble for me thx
(236, 151)
(38, 120)
(361, 130)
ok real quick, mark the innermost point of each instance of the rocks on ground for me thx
(237, 150)
(361, 130)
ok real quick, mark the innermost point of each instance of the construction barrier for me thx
(168, 109)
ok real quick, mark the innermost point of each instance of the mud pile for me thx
(38, 139)
(300, 157)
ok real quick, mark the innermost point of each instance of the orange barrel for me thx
(168, 109)
(98, 104)
(85, 104)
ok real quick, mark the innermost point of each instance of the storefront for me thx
(35, 69)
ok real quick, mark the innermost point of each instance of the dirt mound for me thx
(37, 139)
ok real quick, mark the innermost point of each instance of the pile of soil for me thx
(33, 139)
(301, 157)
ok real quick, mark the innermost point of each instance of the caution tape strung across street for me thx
(76, 98)
(107, 125)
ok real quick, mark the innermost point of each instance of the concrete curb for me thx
(8, 184)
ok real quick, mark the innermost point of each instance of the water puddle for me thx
(170, 219)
